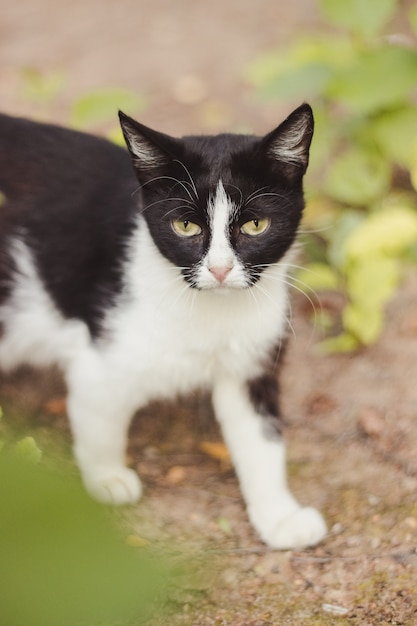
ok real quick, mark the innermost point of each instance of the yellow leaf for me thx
(363, 322)
(372, 281)
(387, 232)
(341, 343)
(56, 406)
(217, 451)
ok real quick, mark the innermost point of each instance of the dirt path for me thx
(352, 420)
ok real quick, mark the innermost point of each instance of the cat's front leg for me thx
(246, 412)
(100, 412)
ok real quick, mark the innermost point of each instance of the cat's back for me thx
(40, 161)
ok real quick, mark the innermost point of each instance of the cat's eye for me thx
(255, 227)
(185, 228)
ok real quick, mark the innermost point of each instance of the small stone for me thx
(371, 422)
(411, 522)
(334, 609)
(175, 475)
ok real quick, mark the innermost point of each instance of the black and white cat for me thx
(147, 291)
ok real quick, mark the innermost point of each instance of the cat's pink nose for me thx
(220, 273)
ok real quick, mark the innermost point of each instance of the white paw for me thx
(305, 527)
(113, 485)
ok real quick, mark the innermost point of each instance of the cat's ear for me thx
(289, 144)
(150, 150)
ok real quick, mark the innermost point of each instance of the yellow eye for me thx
(255, 227)
(185, 228)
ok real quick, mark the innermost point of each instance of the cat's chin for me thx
(223, 290)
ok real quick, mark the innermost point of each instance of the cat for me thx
(146, 273)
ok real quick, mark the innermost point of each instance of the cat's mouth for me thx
(223, 288)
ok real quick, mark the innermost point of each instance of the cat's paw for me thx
(304, 527)
(116, 485)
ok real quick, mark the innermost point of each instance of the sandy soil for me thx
(351, 419)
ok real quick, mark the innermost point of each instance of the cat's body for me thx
(147, 292)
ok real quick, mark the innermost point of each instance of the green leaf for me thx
(39, 86)
(395, 131)
(266, 67)
(364, 17)
(316, 276)
(371, 282)
(304, 82)
(347, 223)
(303, 70)
(28, 450)
(358, 176)
(389, 232)
(102, 105)
(363, 323)
(342, 343)
(117, 137)
(363, 86)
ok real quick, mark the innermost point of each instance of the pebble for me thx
(334, 609)
(371, 422)
(411, 522)
(176, 475)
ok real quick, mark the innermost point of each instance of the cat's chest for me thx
(164, 332)
(175, 340)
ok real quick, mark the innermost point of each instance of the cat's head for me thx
(222, 208)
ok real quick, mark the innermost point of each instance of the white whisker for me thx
(151, 204)
(187, 171)
(183, 184)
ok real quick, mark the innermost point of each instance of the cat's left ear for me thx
(289, 144)
(150, 150)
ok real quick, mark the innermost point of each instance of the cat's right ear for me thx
(150, 150)
(288, 145)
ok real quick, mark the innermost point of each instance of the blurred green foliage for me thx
(62, 561)
(93, 109)
(362, 84)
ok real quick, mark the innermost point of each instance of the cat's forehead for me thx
(220, 203)
(217, 152)
(221, 163)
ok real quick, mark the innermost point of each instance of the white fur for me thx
(162, 339)
(144, 152)
(260, 466)
(289, 147)
(34, 331)
(220, 255)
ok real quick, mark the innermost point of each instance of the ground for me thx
(351, 420)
